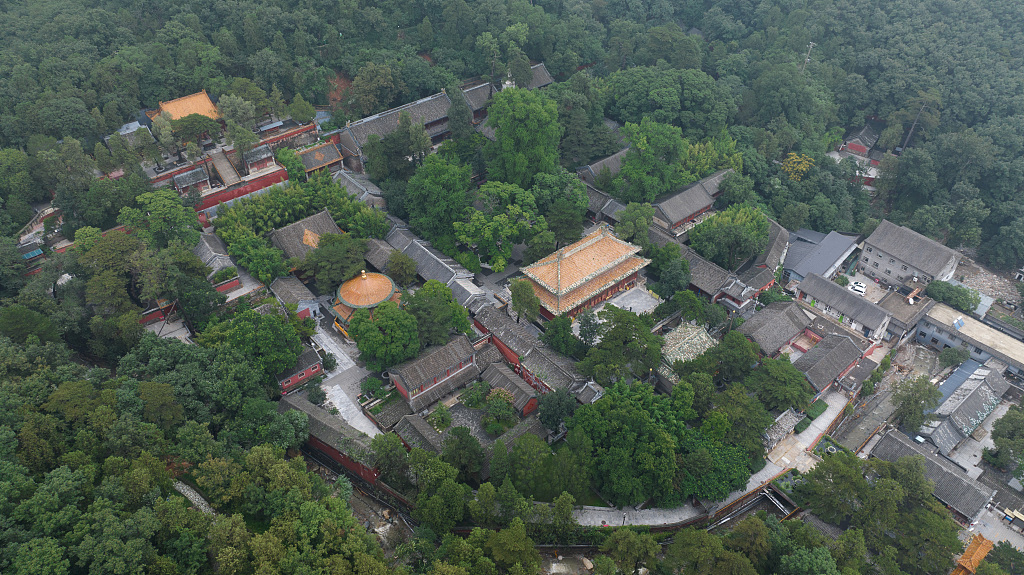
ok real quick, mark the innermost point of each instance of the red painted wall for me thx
(151, 316)
(165, 177)
(228, 285)
(259, 165)
(857, 149)
(297, 379)
(245, 189)
(530, 407)
(368, 474)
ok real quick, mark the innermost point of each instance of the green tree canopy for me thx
(387, 337)
(731, 236)
(160, 219)
(437, 313)
(528, 133)
(336, 259)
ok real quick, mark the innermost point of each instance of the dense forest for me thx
(952, 70)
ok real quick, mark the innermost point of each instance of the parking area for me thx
(873, 291)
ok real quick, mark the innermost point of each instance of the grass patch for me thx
(802, 425)
(816, 409)
(593, 500)
(822, 448)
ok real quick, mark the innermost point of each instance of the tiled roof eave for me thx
(638, 265)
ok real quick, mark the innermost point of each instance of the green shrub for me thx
(224, 275)
(953, 356)
(371, 387)
(816, 409)
(440, 418)
(802, 425)
(842, 280)
(868, 387)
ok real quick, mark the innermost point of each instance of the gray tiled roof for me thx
(291, 290)
(590, 173)
(210, 246)
(966, 408)
(553, 369)
(775, 325)
(778, 241)
(433, 363)
(477, 96)
(416, 432)
(756, 278)
(190, 178)
(529, 425)
(500, 376)
(856, 307)
(596, 199)
(683, 204)
(911, 247)
(952, 486)
(423, 111)
(319, 156)
(611, 210)
(541, 77)
(400, 238)
(833, 248)
(513, 335)
(866, 136)
(308, 358)
(377, 253)
(258, 153)
(360, 186)
(827, 360)
(465, 291)
(487, 355)
(328, 428)
(289, 239)
(707, 276)
(589, 393)
(431, 264)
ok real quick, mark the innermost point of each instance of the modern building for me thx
(436, 373)
(895, 254)
(585, 273)
(953, 488)
(308, 365)
(851, 309)
(944, 327)
(298, 239)
(907, 305)
(810, 255)
(365, 291)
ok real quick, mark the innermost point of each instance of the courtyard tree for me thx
(913, 400)
(524, 300)
(731, 236)
(386, 338)
(527, 136)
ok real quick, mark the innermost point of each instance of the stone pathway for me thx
(194, 497)
(335, 387)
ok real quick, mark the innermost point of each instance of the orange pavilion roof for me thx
(579, 271)
(366, 290)
(198, 103)
(976, 551)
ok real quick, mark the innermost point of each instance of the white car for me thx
(857, 287)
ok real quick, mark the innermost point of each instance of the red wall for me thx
(151, 315)
(605, 295)
(228, 285)
(857, 149)
(259, 165)
(530, 407)
(289, 134)
(295, 380)
(245, 189)
(368, 474)
(165, 177)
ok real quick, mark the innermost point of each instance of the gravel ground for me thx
(992, 284)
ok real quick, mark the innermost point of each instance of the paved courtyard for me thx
(793, 450)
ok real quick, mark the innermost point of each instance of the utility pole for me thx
(914, 125)
(807, 58)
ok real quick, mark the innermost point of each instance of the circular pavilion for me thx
(365, 291)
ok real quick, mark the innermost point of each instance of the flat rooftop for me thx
(991, 340)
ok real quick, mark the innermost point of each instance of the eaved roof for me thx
(328, 428)
(866, 136)
(190, 178)
(291, 290)
(477, 96)
(422, 111)
(972, 557)
(828, 360)
(541, 77)
(683, 204)
(856, 307)
(966, 408)
(431, 264)
(554, 369)
(319, 156)
(300, 238)
(952, 486)
(708, 276)
(500, 376)
(511, 334)
(307, 359)
(433, 362)
(198, 103)
(775, 325)
(613, 162)
(908, 246)
(684, 343)
(258, 153)
(778, 241)
(209, 248)
(377, 253)
(416, 432)
(580, 270)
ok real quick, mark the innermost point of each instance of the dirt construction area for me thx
(996, 286)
